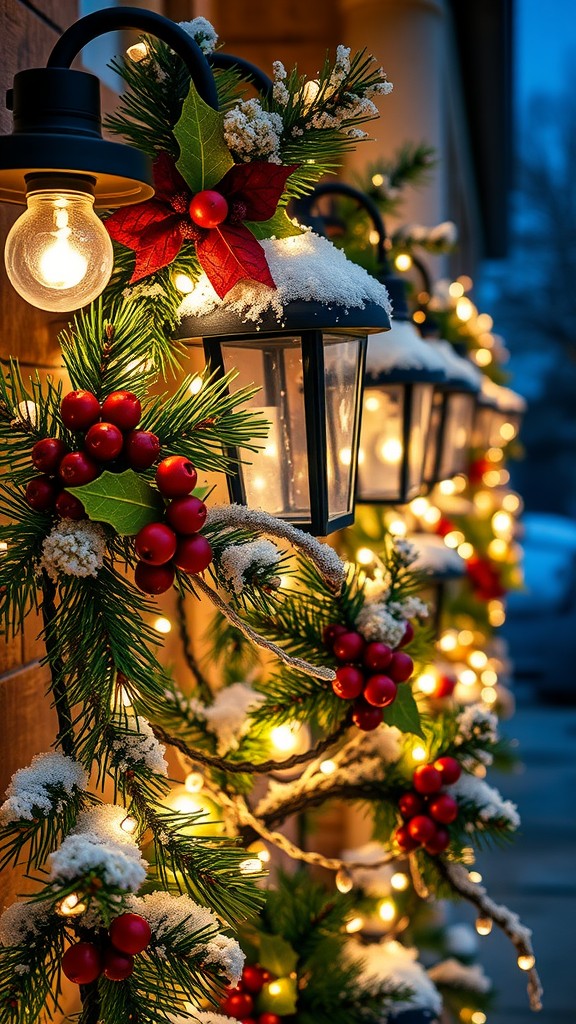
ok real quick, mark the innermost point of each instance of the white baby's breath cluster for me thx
(279, 88)
(21, 923)
(227, 717)
(253, 133)
(98, 844)
(410, 608)
(165, 913)
(137, 744)
(73, 548)
(202, 32)
(405, 551)
(376, 622)
(489, 805)
(240, 562)
(41, 788)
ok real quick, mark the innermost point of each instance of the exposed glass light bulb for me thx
(58, 254)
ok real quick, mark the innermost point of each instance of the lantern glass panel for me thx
(457, 433)
(310, 450)
(395, 421)
(434, 438)
(342, 363)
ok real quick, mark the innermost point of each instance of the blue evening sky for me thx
(545, 40)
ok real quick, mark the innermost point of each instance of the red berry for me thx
(117, 966)
(141, 448)
(41, 493)
(155, 544)
(401, 667)
(130, 933)
(444, 686)
(408, 635)
(427, 779)
(405, 840)
(421, 828)
(82, 963)
(349, 647)
(208, 208)
(449, 769)
(377, 656)
(252, 979)
(380, 691)
(365, 716)
(330, 632)
(239, 1005)
(438, 843)
(69, 507)
(250, 1020)
(186, 515)
(410, 805)
(77, 468)
(104, 441)
(193, 554)
(443, 808)
(123, 409)
(349, 682)
(79, 410)
(48, 453)
(269, 1018)
(176, 476)
(154, 579)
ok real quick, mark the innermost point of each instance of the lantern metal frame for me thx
(445, 395)
(57, 119)
(410, 379)
(310, 322)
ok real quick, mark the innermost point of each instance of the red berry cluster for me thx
(109, 435)
(177, 542)
(369, 673)
(426, 809)
(240, 1001)
(128, 935)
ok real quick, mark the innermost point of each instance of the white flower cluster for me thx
(405, 551)
(202, 32)
(40, 788)
(239, 562)
(74, 548)
(391, 962)
(227, 716)
(138, 745)
(476, 723)
(21, 922)
(99, 844)
(165, 912)
(376, 622)
(253, 133)
(444, 234)
(487, 801)
(279, 89)
(454, 973)
(410, 608)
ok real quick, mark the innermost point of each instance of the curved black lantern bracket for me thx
(57, 120)
(304, 210)
(250, 72)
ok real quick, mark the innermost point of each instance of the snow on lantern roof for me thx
(458, 368)
(402, 349)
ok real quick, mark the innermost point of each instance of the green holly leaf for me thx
(278, 957)
(124, 500)
(279, 225)
(204, 156)
(278, 996)
(403, 713)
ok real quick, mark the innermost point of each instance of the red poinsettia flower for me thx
(227, 250)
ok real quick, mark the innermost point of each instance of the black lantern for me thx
(499, 415)
(401, 373)
(441, 567)
(56, 162)
(453, 416)
(310, 372)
